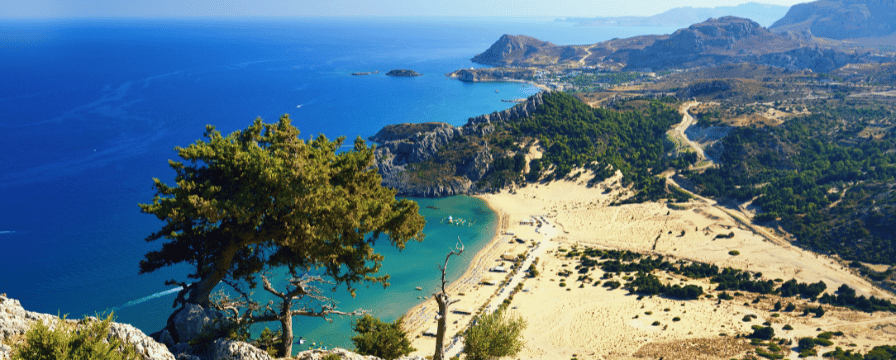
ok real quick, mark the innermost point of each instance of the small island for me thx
(403, 72)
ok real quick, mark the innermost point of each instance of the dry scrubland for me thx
(593, 322)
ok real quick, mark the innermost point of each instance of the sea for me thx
(92, 109)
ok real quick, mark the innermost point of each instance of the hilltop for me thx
(840, 19)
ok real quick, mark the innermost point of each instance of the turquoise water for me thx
(412, 267)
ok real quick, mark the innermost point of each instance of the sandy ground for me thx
(591, 322)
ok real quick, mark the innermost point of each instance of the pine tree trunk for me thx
(287, 338)
(286, 328)
(442, 299)
(203, 291)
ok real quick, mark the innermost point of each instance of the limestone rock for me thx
(193, 319)
(14, 320)
(5, 352)
(224, 349)
(343, 354)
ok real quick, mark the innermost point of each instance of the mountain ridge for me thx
(709, 43)
(764, 14)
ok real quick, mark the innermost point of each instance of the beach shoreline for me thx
(594, 322)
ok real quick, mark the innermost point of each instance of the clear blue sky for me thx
(293, 8)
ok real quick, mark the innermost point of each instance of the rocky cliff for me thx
(404, 147)
(841, 19)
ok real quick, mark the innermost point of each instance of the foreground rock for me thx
(15, 322)
(343, 354)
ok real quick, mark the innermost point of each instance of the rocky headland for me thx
(403, 147)
(403, 73)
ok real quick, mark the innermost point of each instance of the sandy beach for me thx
(593, 322)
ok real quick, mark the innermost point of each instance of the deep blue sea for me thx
(90, 111)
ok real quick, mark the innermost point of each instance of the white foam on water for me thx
(150, 297)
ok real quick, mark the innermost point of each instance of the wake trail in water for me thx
(150, 297)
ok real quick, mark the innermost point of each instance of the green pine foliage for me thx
(88, 340)
(381, 339)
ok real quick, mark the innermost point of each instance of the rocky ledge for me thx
(403, 72)
(15, 322)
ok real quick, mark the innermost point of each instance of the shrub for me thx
(332, 357)
(676, 318)
(89, 340)
(787, 327)
(790, 307)
(656, 323)
(734, 253)
(763, 333)
(495, 335)
(381, 339)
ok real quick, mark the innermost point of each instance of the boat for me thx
(418, 288)
(431, 207)
(496, 91)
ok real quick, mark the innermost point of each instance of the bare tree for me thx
(444, 301)
(299, 291)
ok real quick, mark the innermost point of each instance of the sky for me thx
(353, 8)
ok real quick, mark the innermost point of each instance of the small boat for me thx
(418, 288)
(428, 206)
(496, 91)
(450, 219)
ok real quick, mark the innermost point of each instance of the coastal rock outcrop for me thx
(403, 147)
(15, 321)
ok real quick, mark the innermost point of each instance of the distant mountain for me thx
(709, 43)
(764, 14)
(841, 19)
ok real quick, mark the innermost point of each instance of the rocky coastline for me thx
(403, 146)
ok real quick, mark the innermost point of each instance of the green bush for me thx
(787, 327)
(494, 336)
(381, 339)
(332, 357)
(764, 333)
(89, 340)
(734, 252)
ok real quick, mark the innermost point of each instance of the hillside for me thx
(840, 19)
(764, 14)
(710, 43)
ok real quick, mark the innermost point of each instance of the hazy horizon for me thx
(166, 9)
